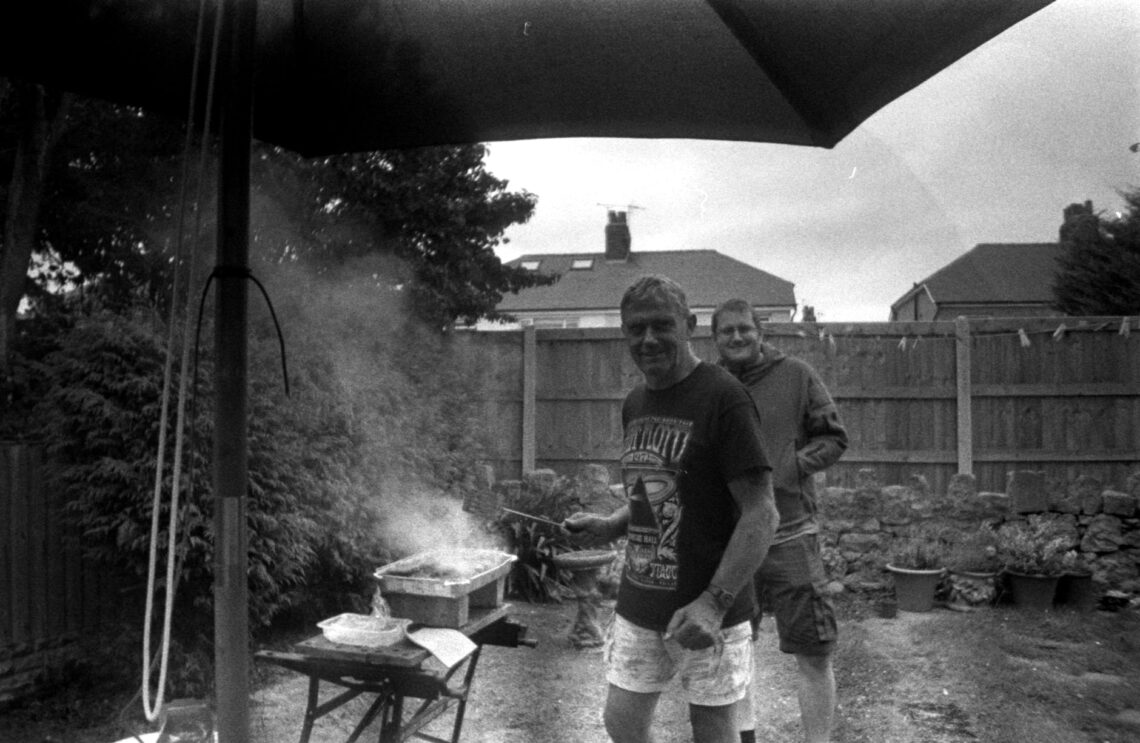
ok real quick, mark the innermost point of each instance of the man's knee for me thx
(714, 723)
(815, 666)
(628, 716)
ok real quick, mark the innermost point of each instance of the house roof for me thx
(708, 278)
(996, 273)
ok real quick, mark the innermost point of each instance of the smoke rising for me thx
(418, 519)
(354, 344)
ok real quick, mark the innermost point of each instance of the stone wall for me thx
(858, 524)
(1101, 522)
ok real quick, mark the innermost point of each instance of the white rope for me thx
(152, 712)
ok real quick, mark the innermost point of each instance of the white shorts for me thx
(640, 660)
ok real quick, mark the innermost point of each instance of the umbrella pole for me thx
(231, 588)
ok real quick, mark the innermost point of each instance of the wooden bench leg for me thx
(310, 709)
(468, 678)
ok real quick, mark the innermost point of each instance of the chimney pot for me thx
(617, 237)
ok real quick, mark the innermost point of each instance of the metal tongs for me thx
(539, 519)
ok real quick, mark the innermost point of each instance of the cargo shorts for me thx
(790, 587)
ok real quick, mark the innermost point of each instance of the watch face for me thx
(723, 598)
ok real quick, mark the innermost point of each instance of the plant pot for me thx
(1076, 591)
(1033, 591)
(914, 589)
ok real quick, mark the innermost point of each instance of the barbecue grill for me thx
(459, 589)
(439, 588)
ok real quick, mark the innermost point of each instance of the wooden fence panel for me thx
(36, 558)
(1061, 402)
(582, 378)
(8, 487)
(56, 598)
(493, 372)
(19, 528)
(49, 595)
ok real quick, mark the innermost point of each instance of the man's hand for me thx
(696, 625)
(593, 526)
(586, 525)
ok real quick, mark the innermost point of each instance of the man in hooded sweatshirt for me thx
(802, 435)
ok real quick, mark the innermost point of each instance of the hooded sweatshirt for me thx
(801, 430)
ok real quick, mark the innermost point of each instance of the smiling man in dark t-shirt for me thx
(701, 513)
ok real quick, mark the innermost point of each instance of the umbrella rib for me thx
(749, 37)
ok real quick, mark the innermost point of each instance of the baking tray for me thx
(491, 565)
(363, 630)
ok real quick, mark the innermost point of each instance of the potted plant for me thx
(973, 562)
(1031, 555)
(917, 561)
(1075, 588)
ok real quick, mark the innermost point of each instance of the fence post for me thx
(528, 398)
(965, 397)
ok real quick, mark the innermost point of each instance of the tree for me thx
(436, 209)
(90, 191)
(106, 191)
(112, 206)
(809, 314)
(1098, 270)
(31, 121)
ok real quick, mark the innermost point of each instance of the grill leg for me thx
(468, 677)
(392, 722)
(376, 708)
(310, 709)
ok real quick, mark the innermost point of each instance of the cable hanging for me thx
(153, 712)
(241, 272)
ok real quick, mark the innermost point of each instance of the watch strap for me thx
(724, 599)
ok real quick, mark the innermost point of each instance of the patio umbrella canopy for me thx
(336, 76)
(331, 76)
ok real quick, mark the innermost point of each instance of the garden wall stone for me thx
(1103, 534)
(1087, 490)
(1102, 523)
(997, 503)
(1118, 503)
(858, 524)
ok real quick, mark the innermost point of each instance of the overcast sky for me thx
(989, 150)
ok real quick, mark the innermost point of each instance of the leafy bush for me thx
(1032, 546)
(1075, 563)
(975, 551)
(358, 429)
(921, 547)
(534, 576)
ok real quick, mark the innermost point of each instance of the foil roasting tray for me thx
(448, 573)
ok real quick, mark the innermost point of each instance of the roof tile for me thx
(708, 278)
(997, 272)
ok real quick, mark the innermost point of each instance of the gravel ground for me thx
(998, 675)
(916, 678)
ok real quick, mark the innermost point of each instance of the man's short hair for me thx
(736, 305)
(654, 287)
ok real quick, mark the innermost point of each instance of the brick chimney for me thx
(617, 237)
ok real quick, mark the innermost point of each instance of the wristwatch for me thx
(723, 599)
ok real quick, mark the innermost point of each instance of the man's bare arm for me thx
(697, 625)
(754, 531)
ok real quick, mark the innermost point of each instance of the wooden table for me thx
(394, 675)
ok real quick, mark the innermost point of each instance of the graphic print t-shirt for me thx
(681, 447)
